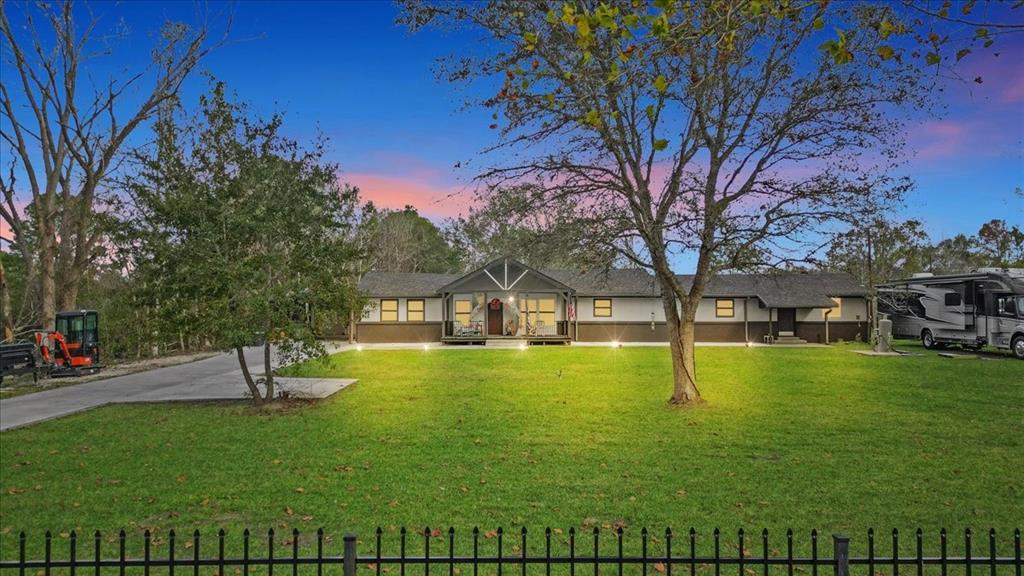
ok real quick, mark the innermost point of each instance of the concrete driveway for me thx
(216, 378)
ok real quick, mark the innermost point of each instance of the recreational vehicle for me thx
(980, 308)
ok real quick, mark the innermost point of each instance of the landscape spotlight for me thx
(426, 346)
(359, 348)
(522, 345)
(616, 344)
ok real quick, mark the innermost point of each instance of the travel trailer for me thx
(983, 307)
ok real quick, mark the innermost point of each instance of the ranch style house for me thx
(506, 300)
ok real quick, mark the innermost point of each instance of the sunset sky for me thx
(347, 70)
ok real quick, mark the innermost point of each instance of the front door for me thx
(494, 318)
(787, 321)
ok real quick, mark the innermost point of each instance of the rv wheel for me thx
(928, 340)
(1018, 347)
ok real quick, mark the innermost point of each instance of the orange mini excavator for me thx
(73, 348)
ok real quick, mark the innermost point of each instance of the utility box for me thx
(883, 343)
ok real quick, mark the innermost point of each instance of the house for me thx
(507, 300)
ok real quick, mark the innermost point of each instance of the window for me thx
(836, 309)
(725, 308)
(952, 298)
(414, 310)
(1010, 306)
(602, 307)
(389, 310)
(546, 311)
(463, 309)
(535, 311)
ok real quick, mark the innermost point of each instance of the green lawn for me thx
(564, 437)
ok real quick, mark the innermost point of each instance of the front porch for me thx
(506, 302)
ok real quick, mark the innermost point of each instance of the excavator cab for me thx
(81, 338)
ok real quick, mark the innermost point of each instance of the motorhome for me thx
(980, 308)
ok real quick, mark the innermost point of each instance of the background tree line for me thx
(884, 250)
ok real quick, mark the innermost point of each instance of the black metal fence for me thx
(496, 552)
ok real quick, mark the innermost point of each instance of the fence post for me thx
(350, 555)
(841, 554)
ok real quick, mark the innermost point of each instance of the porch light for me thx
(511, 299)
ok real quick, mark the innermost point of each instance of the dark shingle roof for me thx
(403, 284)
(784, 290)
(607, 282)
(780, 290)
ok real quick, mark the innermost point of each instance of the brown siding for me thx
(848, 331)
(622, 331)
(378, 332)
(641, 331)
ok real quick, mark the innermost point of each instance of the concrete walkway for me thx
(216, 378)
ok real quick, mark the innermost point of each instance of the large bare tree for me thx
(735, 133)
(64, 131)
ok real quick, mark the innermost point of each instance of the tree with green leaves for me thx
(63, 129)
(1001, 244)
(730, 132)
(880, 250)
(520, 221)
(404, 241)
(244, 235)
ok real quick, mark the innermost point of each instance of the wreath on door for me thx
(495, 304)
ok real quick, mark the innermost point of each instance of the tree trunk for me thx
(680, 336)
(47, 282)
(7, 329)
(268, 371)
(256, 397)
(67, 299)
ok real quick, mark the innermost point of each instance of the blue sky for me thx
(345, 68)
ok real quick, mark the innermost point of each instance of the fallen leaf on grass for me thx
(659, 568)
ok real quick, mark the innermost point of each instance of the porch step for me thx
(784, 340)
(505, 343)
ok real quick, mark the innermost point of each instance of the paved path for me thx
(217, 378)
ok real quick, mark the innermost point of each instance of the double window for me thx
(414, 311)
(537, 311)
(725, 308)
(602, 307)
(389, 310)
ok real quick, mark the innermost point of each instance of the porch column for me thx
(746, 323)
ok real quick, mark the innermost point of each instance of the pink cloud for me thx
(939, 138)
(1013, 92)
(424, 190)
